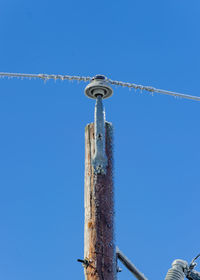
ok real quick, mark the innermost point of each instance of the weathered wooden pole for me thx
(99, 246)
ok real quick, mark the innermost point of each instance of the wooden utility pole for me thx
(99, 247)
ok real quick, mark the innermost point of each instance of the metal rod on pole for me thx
(129, 265)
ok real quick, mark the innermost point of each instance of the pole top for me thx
(98, 86)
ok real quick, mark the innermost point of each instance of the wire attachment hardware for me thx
(98, 85)
(99, 89)
(193, 274)
(193, 263)
(180, 269)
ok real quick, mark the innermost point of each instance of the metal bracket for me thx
(84, 262)
(99, 89)
(193, 274)
(129, 265)
(100, 160)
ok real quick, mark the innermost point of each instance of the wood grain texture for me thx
(99, 247)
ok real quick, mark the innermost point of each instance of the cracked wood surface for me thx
(99, 247)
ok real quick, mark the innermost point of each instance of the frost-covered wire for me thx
(88, 79)
(153, 90)
(44, 76)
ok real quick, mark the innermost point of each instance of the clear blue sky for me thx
(157, 155)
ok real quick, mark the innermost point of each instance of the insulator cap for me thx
(181, 263)
(98, 86)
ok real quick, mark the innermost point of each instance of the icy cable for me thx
(46, 77)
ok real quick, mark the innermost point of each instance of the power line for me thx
(46, 77)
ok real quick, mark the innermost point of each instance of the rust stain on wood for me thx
(99, 247)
